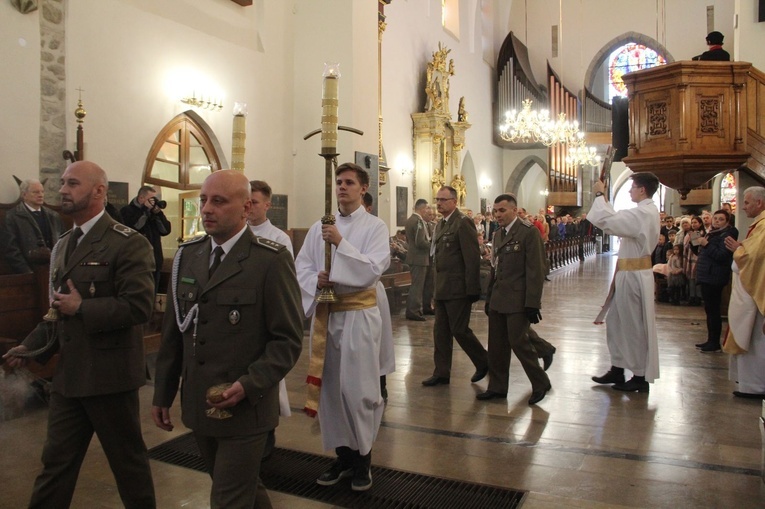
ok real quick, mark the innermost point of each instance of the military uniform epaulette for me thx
(123, 230)
(526, 223)
(269, 244)
(195, 240)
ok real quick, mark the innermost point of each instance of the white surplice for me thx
(631, 320)
(271, 232)
(350, 405)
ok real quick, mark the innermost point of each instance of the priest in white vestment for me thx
(350, 405)
(746, 335)
(630, 318)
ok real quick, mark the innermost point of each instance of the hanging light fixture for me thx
(529, 126)
(578, 153)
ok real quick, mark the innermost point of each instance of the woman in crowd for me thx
(690, 257)
(713, 273)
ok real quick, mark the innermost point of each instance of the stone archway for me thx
(621, 40)
(513, 183)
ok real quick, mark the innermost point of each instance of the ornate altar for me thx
(438, 141)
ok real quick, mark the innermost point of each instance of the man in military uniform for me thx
(34, 227)
(418, 259)
(102, 288)
(514, 301)
(233, 317)
(457, 266)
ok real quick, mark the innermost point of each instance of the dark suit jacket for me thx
(418, 252)
(719, 55)
(27, 234)
(519, 273)
(457, 259)
(101, 347)
(250, 329)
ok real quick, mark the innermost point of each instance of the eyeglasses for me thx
(445, 199)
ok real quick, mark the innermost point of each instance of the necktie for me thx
(72, 245)
(218, 253)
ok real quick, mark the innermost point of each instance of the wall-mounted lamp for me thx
(544, 192)
(208, 104)
(485, 183)
(404, 165)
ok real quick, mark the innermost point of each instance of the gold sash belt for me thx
(354, 301)
(626, 264)
(643, 263)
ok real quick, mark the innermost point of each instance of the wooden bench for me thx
(397, 287)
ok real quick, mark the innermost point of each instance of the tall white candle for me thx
(329, 107)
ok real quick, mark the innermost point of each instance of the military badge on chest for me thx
(234, 316)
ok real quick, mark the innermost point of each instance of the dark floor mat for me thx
(295, 473)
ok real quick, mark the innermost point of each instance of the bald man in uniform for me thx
(233, 317)
(103, 289)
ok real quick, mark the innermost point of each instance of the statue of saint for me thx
(462, 114)
(458, 183)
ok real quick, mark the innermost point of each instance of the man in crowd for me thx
(514, 301)
(34, 228)
(234, 323)
(457, 266)
(103, 291)
(145, 215)
(706, 218)
(631, 321)
(746, 336)
(418, 259)
(260, 202)
(345, 388)
(729, 209)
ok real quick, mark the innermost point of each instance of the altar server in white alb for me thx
(257, 220)
(629, 308)
(346, 335)
(746, 312)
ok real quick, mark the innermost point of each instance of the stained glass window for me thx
(628, 58)
(728, 191)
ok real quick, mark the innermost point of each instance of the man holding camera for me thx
(145, 215)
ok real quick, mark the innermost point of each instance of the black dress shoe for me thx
(748, 395)
(710, 348)
(632, 385)
(416, 318)
(428, 312)
(485, 396)
(702, 345)
(609, 378)
(547, 360)
(539, 395)
(435, 380)
(479, 375)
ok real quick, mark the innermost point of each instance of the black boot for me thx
(362, 472)
(635, 384)
(340, 469)
(614, 376)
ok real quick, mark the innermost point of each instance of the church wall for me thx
(19, 98)
(412, 35)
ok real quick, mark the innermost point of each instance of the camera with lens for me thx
(158, 203)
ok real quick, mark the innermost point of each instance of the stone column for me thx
(52, 95)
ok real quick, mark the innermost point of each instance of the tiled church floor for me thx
(689, 443)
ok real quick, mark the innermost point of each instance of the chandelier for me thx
(537, 127)
(578, 153)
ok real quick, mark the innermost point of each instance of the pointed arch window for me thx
(628, 58)
(182, 155)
